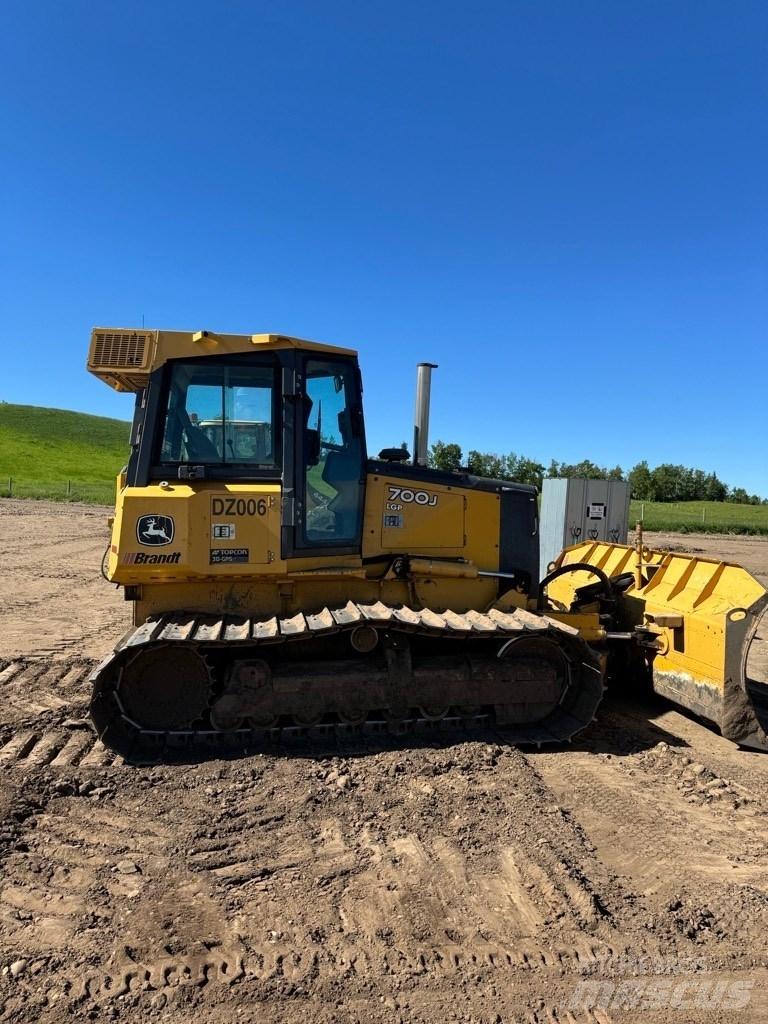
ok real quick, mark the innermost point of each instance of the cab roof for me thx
(124, 357)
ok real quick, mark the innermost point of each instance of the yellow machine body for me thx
(250, 524)
(454, 538)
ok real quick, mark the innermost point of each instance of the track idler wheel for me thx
(265, 720)
(349, 715)
(247, 697)
(434, 712)
(225, 720)
(165, 688)
(555, 686)
(538, 676)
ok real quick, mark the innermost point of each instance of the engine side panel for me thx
(492, 524)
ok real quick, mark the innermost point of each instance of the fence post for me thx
(10, 486)
(642, 511)
(69, 488)
(703, 513)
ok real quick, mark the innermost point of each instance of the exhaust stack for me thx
(421, 424)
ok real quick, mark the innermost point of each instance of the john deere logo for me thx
(154, 530)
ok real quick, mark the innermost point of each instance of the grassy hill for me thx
(700, 517)
(51, 453)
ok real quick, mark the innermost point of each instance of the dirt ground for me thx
(462, 881)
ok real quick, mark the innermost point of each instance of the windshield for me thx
(221, 414)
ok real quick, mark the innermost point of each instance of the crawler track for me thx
(302, 648)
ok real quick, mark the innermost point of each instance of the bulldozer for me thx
(284, 584)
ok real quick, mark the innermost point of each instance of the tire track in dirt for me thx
(699, 861)
(109, 890)
(455, 898)
(56, 748)
(58, 591)
(112, 626)
(44, 627)
(39, 695)
(455, 906)
(653, 720)
(72, 547)
(44, 717)
(662, 819)
(94, 879)
(272, 876)
(423, 897)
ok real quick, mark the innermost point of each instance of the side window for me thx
(332, 454)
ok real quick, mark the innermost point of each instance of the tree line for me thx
(666, 482)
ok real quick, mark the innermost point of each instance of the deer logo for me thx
(154, 530)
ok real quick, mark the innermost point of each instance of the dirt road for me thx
(464, 882)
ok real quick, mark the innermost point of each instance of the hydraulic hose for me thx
(103, 566)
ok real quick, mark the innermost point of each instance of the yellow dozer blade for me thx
(701, 624)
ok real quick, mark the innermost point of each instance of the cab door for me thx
(331, 458)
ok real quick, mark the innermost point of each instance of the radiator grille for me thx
(119, 349)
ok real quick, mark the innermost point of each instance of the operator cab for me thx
(285, 415)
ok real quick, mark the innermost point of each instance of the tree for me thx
(586, 469)
(590, 470)
(486, 464)
(739, 496)
(666, 482)
(714, 489)
(525, 471)
(640, 482)
(698, 488)
(445, 456)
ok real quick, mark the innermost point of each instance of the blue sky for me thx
(563, 204)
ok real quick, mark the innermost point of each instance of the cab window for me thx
(333, 454)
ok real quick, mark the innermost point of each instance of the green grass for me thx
(700, 517)
(60, 455)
